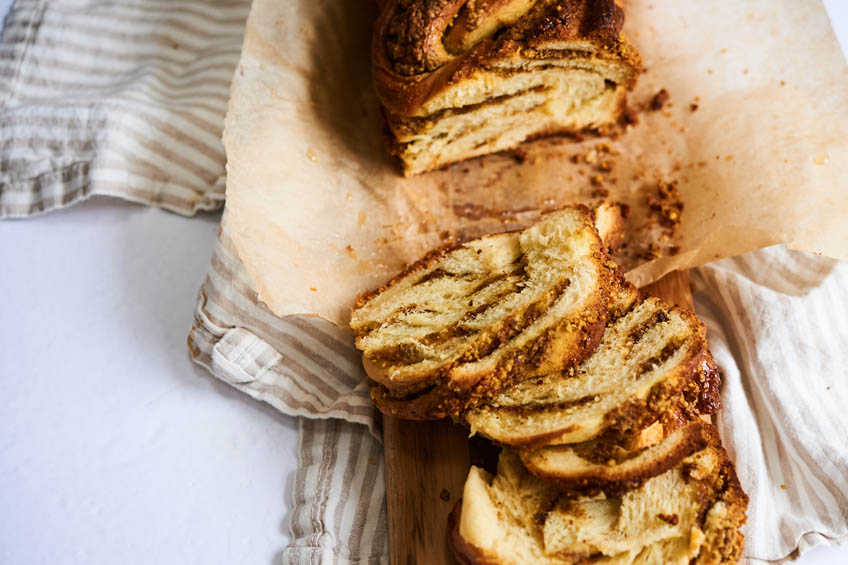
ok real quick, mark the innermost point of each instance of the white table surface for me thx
(128, 453)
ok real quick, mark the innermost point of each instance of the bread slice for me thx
(475, 317)
(617, 461)
(645, 360)
(438, 402)
(614, 467)
(691, 513)
(461, 79)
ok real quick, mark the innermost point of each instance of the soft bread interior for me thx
(463, 312)
(690, 513)
(650, 347)
(552, 67)
(493, 112)
(499, 513)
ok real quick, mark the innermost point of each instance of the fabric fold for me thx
(303, 366)
(116, 98)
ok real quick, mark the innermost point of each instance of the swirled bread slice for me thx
(480, 315)
(438, 402)
(644, 362)
(613, 467)
(462, 78)
(691, 513)
(618, 461)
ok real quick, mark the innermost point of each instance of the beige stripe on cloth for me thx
(775, 322)
(302, 366)
(123, 98)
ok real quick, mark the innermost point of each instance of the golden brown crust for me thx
(411, 64)
(614, 479)
(709, 385)
(724, 541)
(609, 217)
(420, 36)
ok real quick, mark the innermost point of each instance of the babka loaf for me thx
(465, 321)
(462, 78)
(646, 361)
(691, 513)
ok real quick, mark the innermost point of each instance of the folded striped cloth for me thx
(121, 98)
(127, 98)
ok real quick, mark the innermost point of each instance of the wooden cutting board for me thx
(427, 462)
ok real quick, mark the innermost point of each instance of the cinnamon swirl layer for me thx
(469, 320)
(641, 370)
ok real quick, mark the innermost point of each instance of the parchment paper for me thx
(318, 212)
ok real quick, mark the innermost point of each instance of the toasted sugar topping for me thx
(423, 35)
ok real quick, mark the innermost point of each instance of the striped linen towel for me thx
(776, 325)
(123, 98)
(302, 366)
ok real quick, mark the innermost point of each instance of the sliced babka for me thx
(438, 402)
(691, 513)
(462, 78)
(615, 466)
(475, 317)
(646, 360)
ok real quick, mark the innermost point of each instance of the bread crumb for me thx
(693, 107)
(629, 116)
(672, 519)
(313, 289)
(520, 155)
(659, 99)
